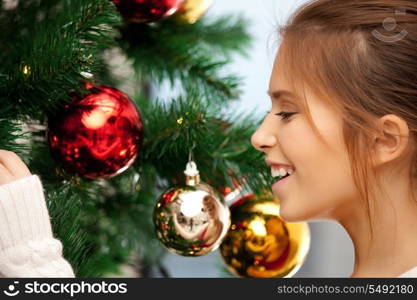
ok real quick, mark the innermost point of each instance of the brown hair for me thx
(351, 51)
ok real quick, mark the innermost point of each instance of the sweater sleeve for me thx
(27, 246)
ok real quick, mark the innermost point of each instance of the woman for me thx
(27, 246)
(343, 124)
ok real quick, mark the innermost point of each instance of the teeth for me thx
(281, 172)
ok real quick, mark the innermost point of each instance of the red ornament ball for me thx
(97, 136)
(147, 10)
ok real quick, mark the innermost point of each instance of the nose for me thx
(263, 140)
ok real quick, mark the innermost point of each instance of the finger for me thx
(5, 176)
(12, 162)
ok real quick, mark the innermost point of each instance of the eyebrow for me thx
(279, 93)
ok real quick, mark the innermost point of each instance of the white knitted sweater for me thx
(27, 246)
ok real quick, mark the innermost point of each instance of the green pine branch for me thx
(11, 135)
(220, 142)
(193, 54)
(47, 47)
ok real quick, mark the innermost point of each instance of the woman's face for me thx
(321, 187)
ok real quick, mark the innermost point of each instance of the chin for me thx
(293, 214)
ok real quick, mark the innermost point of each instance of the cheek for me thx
(323, 180)
(311, 157)
(302, 148)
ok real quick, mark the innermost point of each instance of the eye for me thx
(285, 115)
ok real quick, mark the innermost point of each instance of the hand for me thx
(11, 167)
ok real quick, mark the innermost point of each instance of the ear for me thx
(392, 141)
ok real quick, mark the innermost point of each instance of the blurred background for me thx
(331, 253)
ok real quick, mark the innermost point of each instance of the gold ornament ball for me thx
(192, 10)
(191, 220)
(260, 244)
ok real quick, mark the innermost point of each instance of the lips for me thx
(279, 172)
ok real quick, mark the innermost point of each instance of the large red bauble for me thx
(97, 136)
(147, 10)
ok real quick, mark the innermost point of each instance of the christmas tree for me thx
(51, 50)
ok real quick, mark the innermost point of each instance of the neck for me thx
(390, 248)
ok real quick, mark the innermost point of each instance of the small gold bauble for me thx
(260, 244)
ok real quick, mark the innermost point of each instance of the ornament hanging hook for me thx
(191, 171)
(191, 153)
